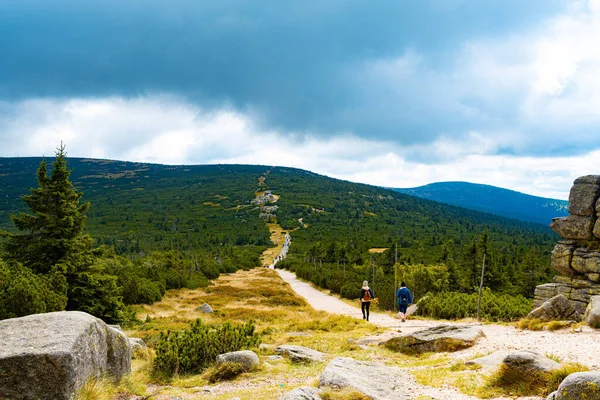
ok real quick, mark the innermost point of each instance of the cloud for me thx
(166, 129)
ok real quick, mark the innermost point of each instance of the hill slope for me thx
(138, 208)
(492, 199)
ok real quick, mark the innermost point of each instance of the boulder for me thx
(577, 290)
(438, 338)
(50, 356)
(592, 312)
(205, 308)
(585, 261)
(526, 362)
(247, 358)
(579, 386)
(590, 179)
(583, 197)
(596, 230)
(562, 255)
(137, 344)
(490, 361)
(299, 354)
(379, 382)
(303, 393)
(574, 227)
(558, 308)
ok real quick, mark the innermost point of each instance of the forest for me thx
(149, 228)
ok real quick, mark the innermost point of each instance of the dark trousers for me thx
(364, 307)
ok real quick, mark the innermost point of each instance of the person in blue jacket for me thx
(404, 300)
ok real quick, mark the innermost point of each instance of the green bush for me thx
(455, 305)
(349, 291)
(23, 293)
(193, 350)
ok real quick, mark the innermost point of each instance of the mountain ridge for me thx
(491, 199)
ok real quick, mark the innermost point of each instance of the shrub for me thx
(455, 305)
(193, 350)
(349, 291)
(225, 371)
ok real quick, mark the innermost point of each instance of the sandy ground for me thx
(580, 345)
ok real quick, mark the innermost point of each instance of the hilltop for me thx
(492, 199)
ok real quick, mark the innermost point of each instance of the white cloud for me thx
(172, 131)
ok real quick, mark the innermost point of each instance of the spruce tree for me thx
(52, 233)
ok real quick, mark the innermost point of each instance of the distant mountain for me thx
(492, 199)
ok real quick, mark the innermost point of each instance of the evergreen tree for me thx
(52, 244)
(52, 232)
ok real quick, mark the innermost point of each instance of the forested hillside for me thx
(206, 213)
(492, 199)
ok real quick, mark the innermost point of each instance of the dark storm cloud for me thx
(299, 66)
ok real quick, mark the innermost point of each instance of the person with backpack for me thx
(404, 300)
(366, 295)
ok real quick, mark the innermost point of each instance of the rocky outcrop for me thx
(247, 358)
(303, 393)
(490, 361)
(50, 356)
(379, 382)
(592, 312)
(578, 386)
(438, 338)
(527, 362)
(299, 354)
(576, 289)
(558, 308)
(577, 256)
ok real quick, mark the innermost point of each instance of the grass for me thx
(535, 324)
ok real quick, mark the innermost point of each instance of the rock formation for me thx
(577, 256)
(50, 356)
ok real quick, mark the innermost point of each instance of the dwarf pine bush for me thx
(193, 350)
(456, 305)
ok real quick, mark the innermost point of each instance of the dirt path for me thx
(570, 345)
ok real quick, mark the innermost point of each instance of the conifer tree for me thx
(52, 233)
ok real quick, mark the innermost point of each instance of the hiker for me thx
(366, 295)
(404, 300)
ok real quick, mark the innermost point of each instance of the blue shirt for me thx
(403, 291)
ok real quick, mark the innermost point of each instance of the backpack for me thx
(367, 296)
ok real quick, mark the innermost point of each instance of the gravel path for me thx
(581, 345)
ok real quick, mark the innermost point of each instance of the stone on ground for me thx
(592, 312)
(205, 308)
(579, 386)
(438, 338)
(490, 361)
(300, 354)
(303, 393)
(379, 382)
(137, 344)
(50, 356)
(526, 362)
(247, 358)
(558, 308)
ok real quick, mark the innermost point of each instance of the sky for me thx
(396, 93)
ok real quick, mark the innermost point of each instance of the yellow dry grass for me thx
(278, 238)
(378, 249)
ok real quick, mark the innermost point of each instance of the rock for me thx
(562, 255)
(490, 361)
(299, 354)
(205, 308)
(558, 308)
(574, 227)
(527, 362)
(50, 356)
(576, 289)
(379, 382)
(551, 396)
(137, 344)
(582, 198)
(585, 261)
(579, 386)
(275, 358)
(591, 179)
(298, 334)
(438, 338)
(303, 393)
(116, 327)
(592, 312)
(247, 358)
(596, 230)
